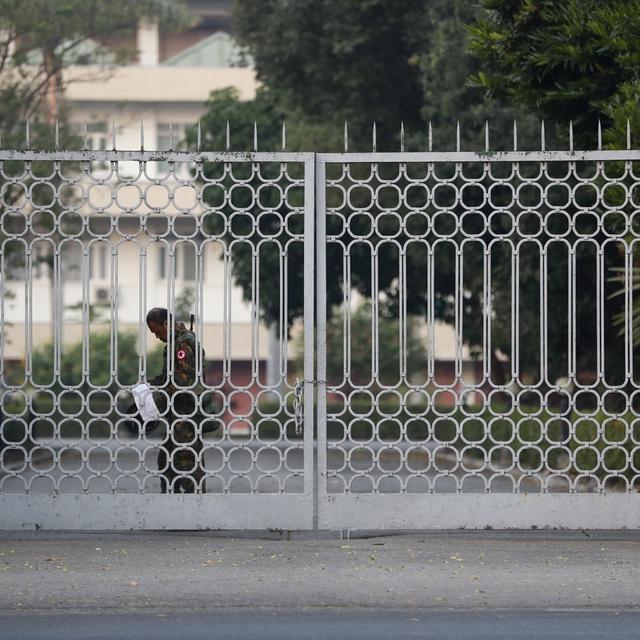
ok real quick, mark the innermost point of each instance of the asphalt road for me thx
(102, 572)
(242, 624)
(440, 585)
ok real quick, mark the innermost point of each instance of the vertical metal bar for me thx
(56, 310)
(283, 316)
(541, 322)
(375, 352)
(321, 338)
(402, 325)
(571, 311)
(171, 306)
(458, 312)
(430, 314)
(486, 313)
(199, 292)
(3, 280)
(200, 313)
(310, 455)
(142, 312)
(628, 313)
(112, 314)
(116, 306)
(86, 308)
(515, 314)
(544, 356)
(226, 318)
(346, 318)
(29, 311)
(599, 257)
(347, 315)
(255, 313)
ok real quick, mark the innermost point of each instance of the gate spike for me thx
(430, 137)
(113, 133)
(570, 135)
(284, 135)
(141, 135)
(599, 135)
(199, 136)
(402, 136)
(170, 136)
(228, 137)
(543, 141)
(457, 135)
(27, 136)
(486, 135)
(628, 134)
(515, 135)
(374, 137)
(57, 134)
(346, 136)
(255, 135)
(85, 135)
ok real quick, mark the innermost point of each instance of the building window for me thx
(102, 262)
(163, 134)
(162, 262)
(71, 262)
(97, 136)
(98, 262)
(164, 141)
(185, 261)
(186, 257)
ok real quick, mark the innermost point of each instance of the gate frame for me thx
(120, 511)
(413, 511)
(315, 508)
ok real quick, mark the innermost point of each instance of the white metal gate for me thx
(477, 314)
(450, 338)
(92, 241)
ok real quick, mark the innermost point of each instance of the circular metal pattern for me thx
(459, 427)
(77, 224)
(468, 420)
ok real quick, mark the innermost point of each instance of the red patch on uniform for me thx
(181, 354)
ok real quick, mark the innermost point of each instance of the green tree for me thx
(574, 60)
(333, 60)
(361, 347)
(99, 361)
(406, 62)
(448, 96)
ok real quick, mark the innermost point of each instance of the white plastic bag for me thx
(147, 407)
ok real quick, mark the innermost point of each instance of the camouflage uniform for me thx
(179, 453)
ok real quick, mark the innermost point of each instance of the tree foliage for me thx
(573, 60)
(363, 62)
(100, 352)
(331, 60)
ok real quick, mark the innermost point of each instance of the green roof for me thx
(218, 50)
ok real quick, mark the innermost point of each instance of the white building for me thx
(160, 93)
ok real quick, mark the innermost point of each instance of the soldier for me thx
(179, 457)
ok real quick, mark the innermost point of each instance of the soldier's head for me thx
(158, 322)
